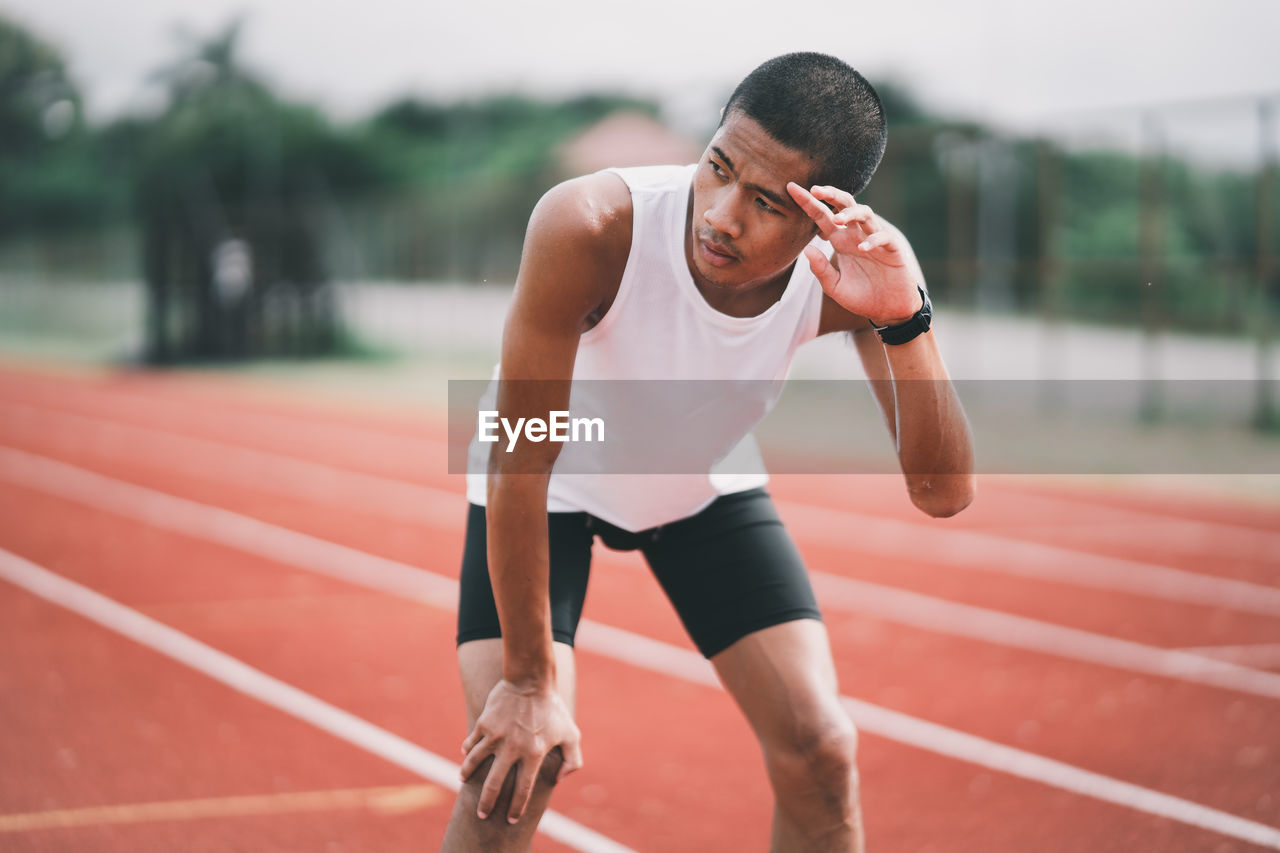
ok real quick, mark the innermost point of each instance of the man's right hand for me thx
(518, 727)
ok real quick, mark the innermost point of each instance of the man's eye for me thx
(715, 167)
(764, 205)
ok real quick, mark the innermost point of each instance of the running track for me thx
(226, 622)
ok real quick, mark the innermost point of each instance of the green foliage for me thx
(497, 138)
(33, 82)
(1157, 241)
(466, 176)
(227, 139)
(47, 171)
(427, 189)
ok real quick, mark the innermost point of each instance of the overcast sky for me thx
(1016, 64)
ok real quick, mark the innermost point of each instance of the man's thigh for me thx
(480, 664)
(731, 570)
(784, 680)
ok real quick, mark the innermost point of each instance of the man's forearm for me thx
(519, 570)
(927, 421)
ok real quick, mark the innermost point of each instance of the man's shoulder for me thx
(592, 211)
(575, 250)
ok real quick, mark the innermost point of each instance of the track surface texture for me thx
(227, 622)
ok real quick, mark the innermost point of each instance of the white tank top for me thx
(660, 327)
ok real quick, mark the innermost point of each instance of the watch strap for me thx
(902, 333)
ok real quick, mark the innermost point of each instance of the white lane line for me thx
(177, 414)
(939, 546)
(931, 737)
(400, 579)
(1113, 530)
(224, 527)
(274, 473)
(1222, 539)
(1188, 532)
(941, 616)
(270, 691)
(948, 617)
(391, 799)
(966, 549)
(902, 606)
(1056, 774)
(1260, 655)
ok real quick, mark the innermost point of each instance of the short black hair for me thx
(817, 104)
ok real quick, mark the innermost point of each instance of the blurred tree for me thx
(239, 191)
(37, 99)
(468, 173)
(47, 174)
(233, 190)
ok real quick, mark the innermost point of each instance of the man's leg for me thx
(740, 587)
(480, 662)
(784, 680)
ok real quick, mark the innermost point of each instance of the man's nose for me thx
(722, 217)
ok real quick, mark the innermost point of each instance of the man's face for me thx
(744, 228)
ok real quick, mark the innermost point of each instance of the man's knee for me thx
(549, 773)
(547, 776)
(818, 753)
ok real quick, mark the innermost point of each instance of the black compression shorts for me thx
(729, 570)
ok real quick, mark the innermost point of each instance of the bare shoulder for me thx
(575, 252)
(591, 215)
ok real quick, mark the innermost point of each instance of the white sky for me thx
(1016, 64)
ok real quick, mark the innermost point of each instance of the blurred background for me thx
(1092, 192)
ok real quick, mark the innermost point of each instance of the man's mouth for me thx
(714, 253)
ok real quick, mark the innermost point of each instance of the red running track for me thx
(108, 744)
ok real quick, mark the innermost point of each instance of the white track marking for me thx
(403, 580)
(1228, 540)
(1056, 774)
(939, 546)
(290, 547)
(1220, 540)
(948, 617)
(903, 728)
(224, 527)
(1209, 542)
(270, 691)
(1261, 655)
(386, 799)
(967, 549)
(941, 616)
(274, 473)
(174, 414)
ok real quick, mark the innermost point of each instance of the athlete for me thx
(718, 271)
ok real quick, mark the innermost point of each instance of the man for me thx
(714, 271)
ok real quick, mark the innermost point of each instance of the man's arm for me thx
(574, 253)
(871, 280)
(928, 425)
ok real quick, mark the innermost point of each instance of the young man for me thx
(714, 271)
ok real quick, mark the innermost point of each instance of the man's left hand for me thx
(873, 272)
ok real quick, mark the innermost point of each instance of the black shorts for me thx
(729, 570)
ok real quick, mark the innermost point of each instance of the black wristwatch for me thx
(911, 329)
